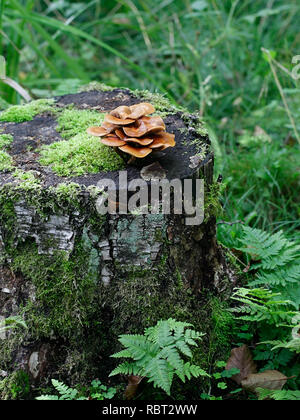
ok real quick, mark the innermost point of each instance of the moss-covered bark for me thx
(79, 279)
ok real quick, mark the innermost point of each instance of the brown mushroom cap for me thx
(129, 129)
(167, 140)
(157, 144)
(142, 142)
(122, 112)
(139, 152)
(117, 121)
(112, 141)
(139, 110)
(145, 125)
(133, 112)
(97, 131)
(110, 128)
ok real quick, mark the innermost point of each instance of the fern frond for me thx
(281, 277)
(262, 305)
(278, 262)
(184, 348)
(278, 395)
(171, 354)
(127, 368)
(273, 250)
(190, 336)
(159, 372)
(178, 325)
(262, 245)
(123, 353)
(164, 334)
(65, 392)
(129, 340)
(194, 370)
(157, 354)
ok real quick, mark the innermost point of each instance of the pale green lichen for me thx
(21, 113)
(94, 191)
(5, 140)
(73, 121)
(6, 161)
(24, 176)
(67, 191)
(201, 128)
(80, 155)
(29, 184)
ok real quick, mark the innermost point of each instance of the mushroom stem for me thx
(131, 160)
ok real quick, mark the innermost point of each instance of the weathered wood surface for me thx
(159, 250)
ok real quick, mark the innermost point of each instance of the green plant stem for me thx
(2, 5)
(278, 84)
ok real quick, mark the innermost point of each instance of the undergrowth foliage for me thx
(278, 395)
(65, 393)
(271, 302)
(97, 391)
(160, 354)
(277, 260)
(54, 48)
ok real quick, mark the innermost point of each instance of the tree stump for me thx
(78, 278)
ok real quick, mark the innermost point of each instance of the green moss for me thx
(7, 222)
(212, 203)
(162, 105)
(67, 192)
(96, 86)
(81, 155)
(6, 161)
(74, 121)
(28, 176)
(222, 322)
(201, 128)
(66, 197)
(64, 290)
(142, 297)
(21, 113)
(15, 387)
(194, 121)
(5, 140)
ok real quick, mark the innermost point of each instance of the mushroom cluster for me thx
(129, 129)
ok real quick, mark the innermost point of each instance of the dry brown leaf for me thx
(270, 379)
(241, 358)
(132, 387)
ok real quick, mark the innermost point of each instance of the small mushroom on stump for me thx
(129, 130)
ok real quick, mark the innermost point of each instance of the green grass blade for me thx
(35, 47)
(33, 17)
(73, 65)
